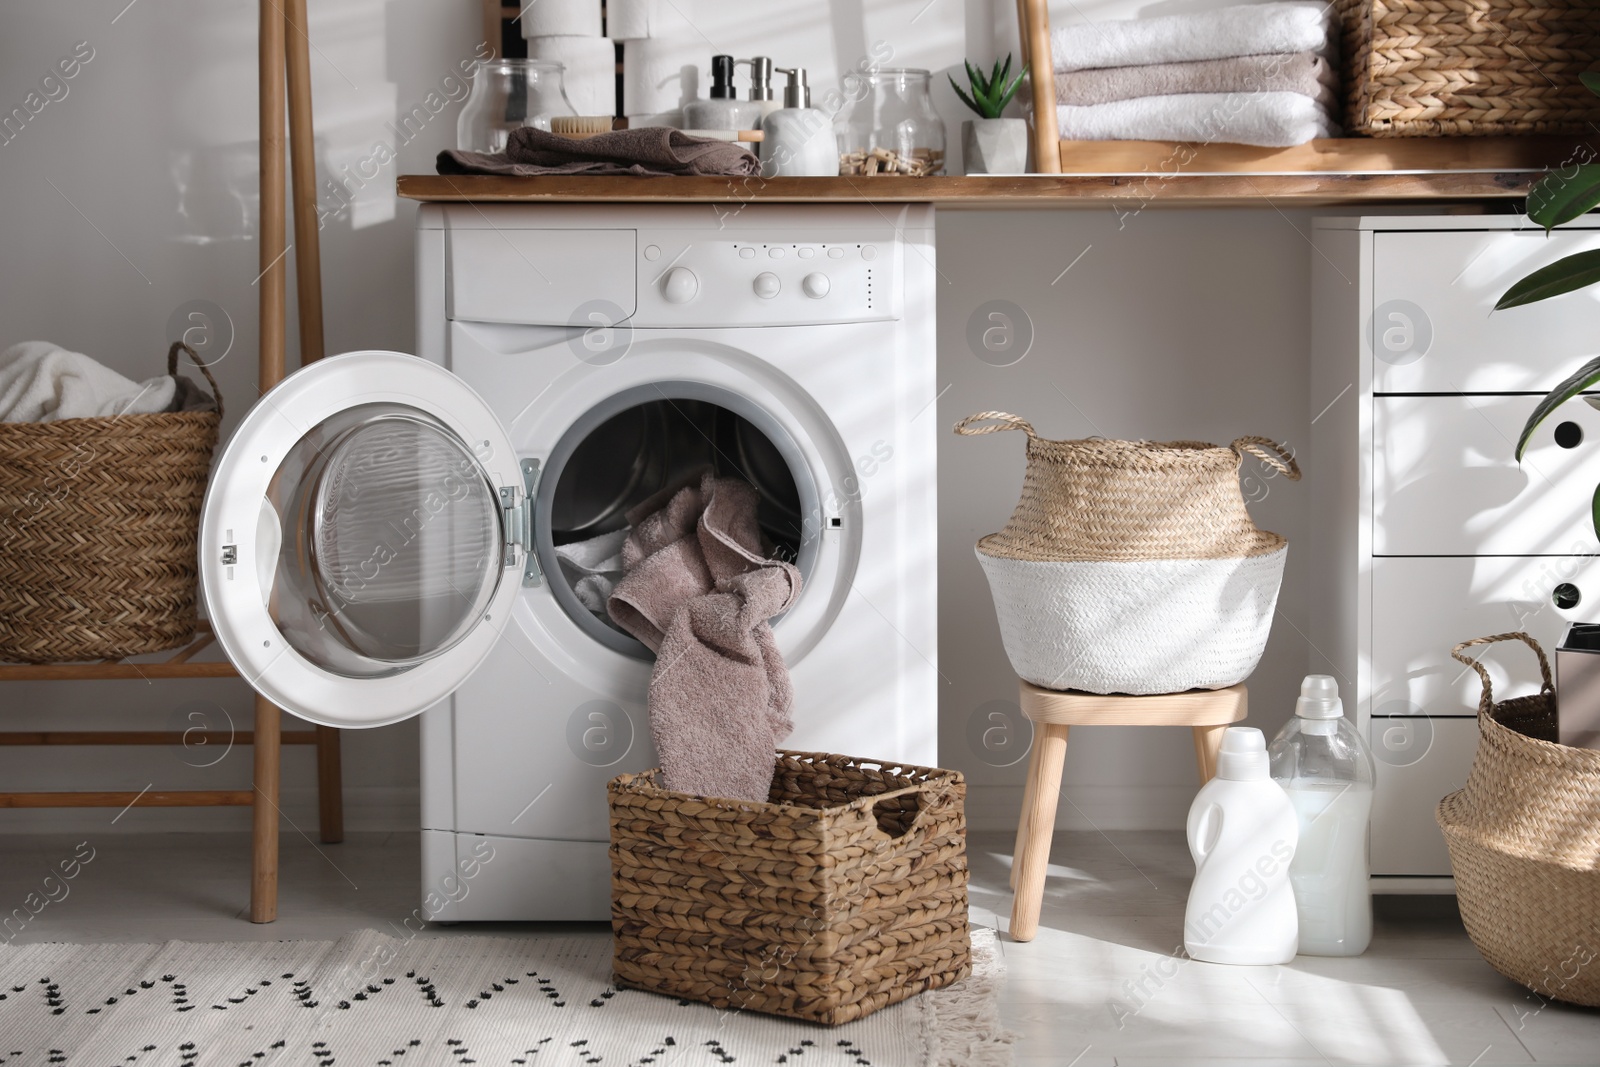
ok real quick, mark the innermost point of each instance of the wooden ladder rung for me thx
(174, 798)
(146, 737)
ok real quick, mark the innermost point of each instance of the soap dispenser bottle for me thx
(1326, 768)
(761, 87)
(724, 110)
(799, 139)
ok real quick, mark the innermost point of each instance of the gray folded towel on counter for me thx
(1243, 30)
(646, 151)
(698, 592)
(1274, 120)
(1306, 73)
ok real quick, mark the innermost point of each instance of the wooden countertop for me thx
(1122, 191)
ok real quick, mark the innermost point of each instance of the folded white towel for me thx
(42, 382)
(1246, 30)
(594, 567)
(1275, 120)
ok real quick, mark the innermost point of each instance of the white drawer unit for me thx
(1426, 530)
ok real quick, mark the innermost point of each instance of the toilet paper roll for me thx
(591, 75)
(657, 77)
(560, 18)
(633, 20)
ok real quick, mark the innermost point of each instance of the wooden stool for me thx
(1207, 711)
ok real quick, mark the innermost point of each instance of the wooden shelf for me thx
(176, 665)
(1124, 191)
(1337, 156)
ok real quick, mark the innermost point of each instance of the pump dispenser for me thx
(1327, 770)
(724, 110)
(761, 85)
(799, 139)
(1242, 835)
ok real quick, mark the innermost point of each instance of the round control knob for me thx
(680, 285)
(815, 285)
(766, 285)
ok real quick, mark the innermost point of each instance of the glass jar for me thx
(893, 129)
(508, 94)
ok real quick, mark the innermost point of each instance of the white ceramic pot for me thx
(995, 146)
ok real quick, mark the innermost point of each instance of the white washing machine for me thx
(380, 537)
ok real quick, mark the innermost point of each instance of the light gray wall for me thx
(133, 195)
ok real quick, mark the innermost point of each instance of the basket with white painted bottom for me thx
(1133, 566)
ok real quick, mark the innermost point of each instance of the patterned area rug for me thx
(371, 1000)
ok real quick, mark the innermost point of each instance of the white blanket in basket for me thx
(42, 382)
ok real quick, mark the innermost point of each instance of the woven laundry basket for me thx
(99, 521)
(844, 893)
(1524, 840)
(1436, 68)
(1133, 566)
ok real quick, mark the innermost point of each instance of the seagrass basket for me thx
(1133, 566)
(1436, 68)
(99, 520)
(1524, 840)
(842, 894)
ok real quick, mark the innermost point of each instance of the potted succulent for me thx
(991, 144)
(1558, 198)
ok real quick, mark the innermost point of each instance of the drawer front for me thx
(1422, 608)
(1419, 761)
(1445, 480)
(1432, 330)
(541, 277)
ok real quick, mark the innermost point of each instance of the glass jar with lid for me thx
(893, 128)
(508, 94)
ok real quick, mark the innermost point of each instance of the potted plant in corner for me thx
(1556, 199)
(991, 144)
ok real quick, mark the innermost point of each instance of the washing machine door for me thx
(361, 540)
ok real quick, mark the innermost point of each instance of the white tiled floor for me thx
(1099, 985)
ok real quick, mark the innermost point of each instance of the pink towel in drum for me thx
(699, 591)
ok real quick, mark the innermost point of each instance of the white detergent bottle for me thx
(1327, 770)
(1242, 834)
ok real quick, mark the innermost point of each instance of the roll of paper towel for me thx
(560, 18)
(657, 77)
(633, 20)
(591, 75)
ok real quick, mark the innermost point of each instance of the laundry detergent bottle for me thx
(1327, 770)
(1242, 835)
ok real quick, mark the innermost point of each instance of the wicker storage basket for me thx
(1524, 840)
(1133, 566)
(99, 520)
(844, 893)
(1435, 68)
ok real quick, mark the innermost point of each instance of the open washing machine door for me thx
(362, 539)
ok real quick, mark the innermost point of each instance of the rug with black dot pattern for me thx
(375, 1000)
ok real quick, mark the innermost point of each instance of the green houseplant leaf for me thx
(1563, 276)
(988, 94)
(1594, 511)
(1559, 198)
(1587, 375)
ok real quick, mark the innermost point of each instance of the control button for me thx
(652, 252)
(835, 253)
(869, 252)
(775, 253)
(766, 285)
(680, 285)
(806, 253)
(815, 285)
(747, 253)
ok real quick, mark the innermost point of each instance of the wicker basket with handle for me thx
(99, 520)
(1524, 840)
(1437, 68)
(1133, 566)
(844, 893)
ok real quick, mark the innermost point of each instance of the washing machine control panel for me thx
(766, 279)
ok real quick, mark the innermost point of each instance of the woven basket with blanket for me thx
(1133, 566)
(1524, 839)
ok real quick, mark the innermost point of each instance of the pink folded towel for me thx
(698, 591)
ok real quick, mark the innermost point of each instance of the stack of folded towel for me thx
(1257, 74)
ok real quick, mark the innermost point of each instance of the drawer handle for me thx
(1566, 596)
(1569, 435)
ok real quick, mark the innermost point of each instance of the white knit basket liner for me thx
(1157, 626)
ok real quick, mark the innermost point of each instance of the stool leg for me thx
(1207, 743)
(1027, 804)
(1040, 816)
